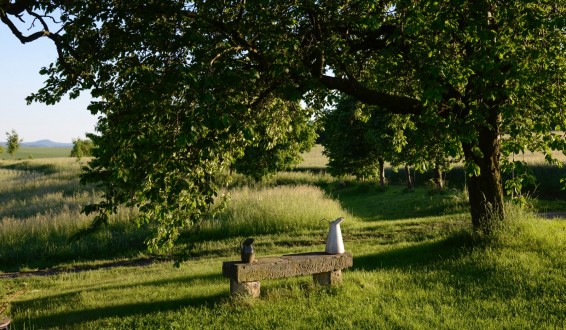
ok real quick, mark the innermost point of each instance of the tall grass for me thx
(43, 240)
(40, 203)
(272, 210)
(306, 177)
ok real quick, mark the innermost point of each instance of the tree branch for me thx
(23, 39)
(373, 40)
(393, 103)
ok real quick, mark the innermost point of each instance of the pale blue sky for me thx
(19, 77)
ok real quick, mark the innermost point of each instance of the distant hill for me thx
(43, 144)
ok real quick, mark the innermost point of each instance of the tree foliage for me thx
(81, 148)
(183, 87)
(358, 139)
(12, 142)
(278, 144)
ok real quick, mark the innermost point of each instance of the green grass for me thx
(445, 281)
(314, 159)
(40, 203)
(416, 264)
(33, 153)
(276, 210)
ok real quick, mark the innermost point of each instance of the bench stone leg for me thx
(328, 278)
(251, 289)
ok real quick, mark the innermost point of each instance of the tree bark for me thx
(438, 177)
(381, 172)
(410, 184)
(485, 189)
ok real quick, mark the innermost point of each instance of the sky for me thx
(19, 77)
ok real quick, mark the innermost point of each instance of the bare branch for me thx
(40, 19)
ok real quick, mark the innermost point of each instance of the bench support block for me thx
(248, 289)
(328, 278)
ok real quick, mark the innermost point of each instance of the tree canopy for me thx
(81, 148)
(181, 86)
(360, 138)
(12, 142)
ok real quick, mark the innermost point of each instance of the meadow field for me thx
(33, 153)
(416, 263)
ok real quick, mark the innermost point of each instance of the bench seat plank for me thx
(286, 266)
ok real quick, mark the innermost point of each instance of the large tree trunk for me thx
(381, 172)
(485, 190)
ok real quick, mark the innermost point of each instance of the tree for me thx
(278, 144)
(81, 148)
(359, 139)
(180, 86)
(12, 142)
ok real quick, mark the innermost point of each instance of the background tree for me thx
(12, 142)
(81, 148)
(278, 146)
(180, 86)
(360, 139)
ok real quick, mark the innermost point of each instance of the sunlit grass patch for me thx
(314, 158)
(283, 209)
(40, 204)
(446, 280)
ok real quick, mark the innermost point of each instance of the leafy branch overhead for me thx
(183, 88)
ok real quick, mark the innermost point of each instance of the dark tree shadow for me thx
(417, 256)
(77, 317)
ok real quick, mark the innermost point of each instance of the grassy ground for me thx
(33, 153)
(40, 203)
(419, 273)
(416, 265)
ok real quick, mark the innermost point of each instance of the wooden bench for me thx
(325, 268)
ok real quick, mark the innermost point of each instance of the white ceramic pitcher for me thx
(334, 243)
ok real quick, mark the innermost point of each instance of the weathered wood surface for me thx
(286, 266)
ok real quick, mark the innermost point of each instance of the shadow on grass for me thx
(418, 255)
(74, 318)
(395, 202)
(30, 167)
